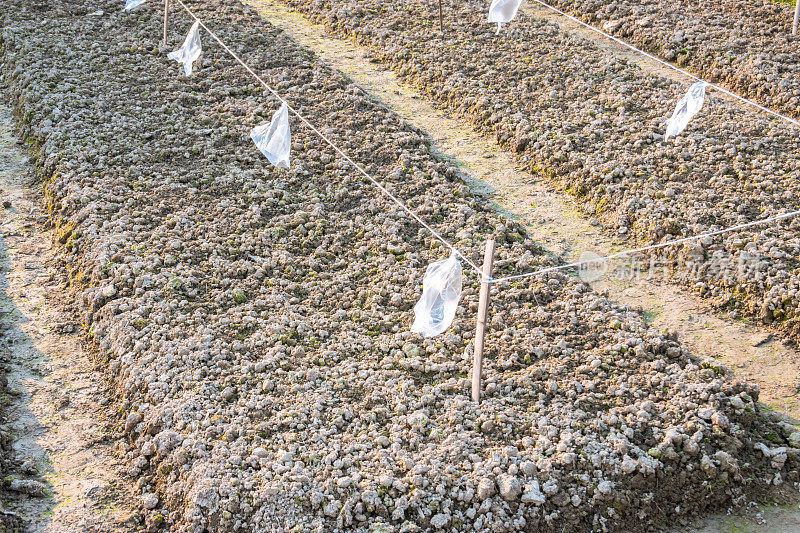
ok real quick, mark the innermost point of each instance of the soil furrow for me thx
(67, 477)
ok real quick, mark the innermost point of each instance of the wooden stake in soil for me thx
(166, 12)
(441, 19)
(483, 311)
(796, 16)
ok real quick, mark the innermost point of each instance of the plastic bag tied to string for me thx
(687, 108)
(502, 11)
(441, 290)
(130, 4)
(191, 49)
(275, 139)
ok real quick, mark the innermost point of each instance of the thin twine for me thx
(646, 248)
(331, 144)
(673, 67)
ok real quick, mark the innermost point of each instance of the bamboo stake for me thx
(480, 328)
(441, 19)
(796, 16)
(166, 12)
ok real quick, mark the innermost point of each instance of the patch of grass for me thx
(239, 296)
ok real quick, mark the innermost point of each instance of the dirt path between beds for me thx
(57, 409)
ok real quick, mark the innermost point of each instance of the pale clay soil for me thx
(60, 413)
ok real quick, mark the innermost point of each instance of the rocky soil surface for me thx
(553, 219)
(255, 320)
(592, 124)
(745, 45)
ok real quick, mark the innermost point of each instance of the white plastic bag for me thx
(130, 4)
(275, 139)
(502, 11)
(686, 109)
(191, 49)
(441, 290)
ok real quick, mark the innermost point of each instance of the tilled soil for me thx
(746, 45)
(591, 123)
(554, 220)
(551, 219)
(255, 320)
